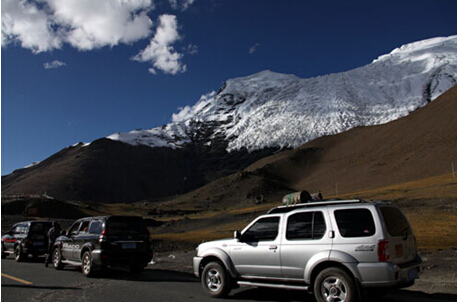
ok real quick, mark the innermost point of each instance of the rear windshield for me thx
(39, 228)
(355, 222)
(126, 225)
(395, 221)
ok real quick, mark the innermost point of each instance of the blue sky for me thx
(78, 70)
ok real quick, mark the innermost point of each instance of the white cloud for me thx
(159, 52)
(188, 112)
(254, 48)
(44, 25)
(183, 5)
(191, 49)
(54, 64)
(24, 23)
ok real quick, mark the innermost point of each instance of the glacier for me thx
(273, 110)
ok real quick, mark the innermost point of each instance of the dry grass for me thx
(430, 205)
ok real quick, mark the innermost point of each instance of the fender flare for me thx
(223, 257)
(337, 258)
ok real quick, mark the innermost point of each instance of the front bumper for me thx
(196, 263)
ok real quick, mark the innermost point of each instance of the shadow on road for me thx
(148, 275)
(266, 294)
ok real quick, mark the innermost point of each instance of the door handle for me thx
(273, 248)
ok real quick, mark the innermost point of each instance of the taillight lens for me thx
(103, 236)
(383, 251)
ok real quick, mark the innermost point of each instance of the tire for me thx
(87, 267)
(334, 284)
(3, 253)
(215, 280)
(19, 256)
(57, 259)
(136, 268)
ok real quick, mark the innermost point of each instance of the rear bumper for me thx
(105, 258)
(389, 274)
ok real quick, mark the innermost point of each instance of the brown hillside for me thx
(420, 145)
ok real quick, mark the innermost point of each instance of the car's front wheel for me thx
(215, 280)
(57, 259)
(334, 284)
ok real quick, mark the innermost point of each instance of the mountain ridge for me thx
(247, 119)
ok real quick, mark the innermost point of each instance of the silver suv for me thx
(336, 249)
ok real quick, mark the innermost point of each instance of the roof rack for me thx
(285, 209)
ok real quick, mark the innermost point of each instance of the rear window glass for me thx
(355, 223)
(309, 225)
(395, 221)
(39, 228)
(126, 225)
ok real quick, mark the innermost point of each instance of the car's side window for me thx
(309, 225)
(265, 229)
(74, 229)
(355, 223)
(96, 227)
(84, 227)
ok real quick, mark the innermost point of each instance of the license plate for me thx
(38, 243)
(129, 245)
(399, 250)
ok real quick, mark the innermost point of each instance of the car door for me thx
(79, 239)
(306, 238)
(10, 239)
(256, 253)
(68, 245)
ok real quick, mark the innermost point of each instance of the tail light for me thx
(383, 251)
(103, 236)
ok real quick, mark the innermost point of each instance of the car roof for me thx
(322, 203)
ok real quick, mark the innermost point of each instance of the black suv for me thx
(98, 242)
(24, 238)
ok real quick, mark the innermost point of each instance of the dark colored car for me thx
(26, 238)
(94, 243)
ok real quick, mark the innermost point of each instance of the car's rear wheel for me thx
(215, 280)
(57, 259)
(334, 284)
(19, 256)
(87, 266)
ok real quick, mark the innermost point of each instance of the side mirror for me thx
(237, 235)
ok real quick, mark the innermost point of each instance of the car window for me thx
(309, 225)
(74, 229)
(96, 227)
(84, 227)
(355, 222)
(395, 221)
(20, 229)
(265, 229)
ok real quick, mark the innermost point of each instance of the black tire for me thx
(87, 267)
(19, 256)
(57, 259)
(3, 253)
(136, 268)
(215, 280)
(336, 283)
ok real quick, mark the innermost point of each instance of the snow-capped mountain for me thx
(269, 109)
